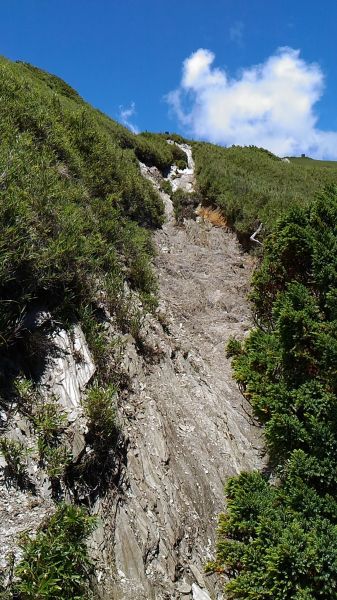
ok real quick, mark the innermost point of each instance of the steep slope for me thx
(76, 217)
(187, 424)
(108, 403)
(279, 537)
(251, 184)
(116, 396)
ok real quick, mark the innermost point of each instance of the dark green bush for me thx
(153, 149)
(166, 187)
(184, 204)
(233, 347)
(55, 563)
(278, 537)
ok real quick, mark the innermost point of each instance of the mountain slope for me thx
(116, 395)
(188, 426)
(72, 197)
(251, 185)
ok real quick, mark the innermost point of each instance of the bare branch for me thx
(253, 237)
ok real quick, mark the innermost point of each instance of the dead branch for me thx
(253, 236)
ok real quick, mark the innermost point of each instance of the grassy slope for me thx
(74, 209)
(312, 163)
(250, 184)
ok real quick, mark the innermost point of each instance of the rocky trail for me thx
(188, 426)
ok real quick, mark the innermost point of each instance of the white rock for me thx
(198, 593)
(184, 588)
(70, 370)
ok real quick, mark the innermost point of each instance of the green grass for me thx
(306, 161)
(250, 184)
(75, 212)
(55, 562)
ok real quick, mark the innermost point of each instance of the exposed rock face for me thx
(69, 371)
(188, 426)
(183, 179)
(65, 377)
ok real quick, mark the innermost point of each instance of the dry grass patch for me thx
(212, 215)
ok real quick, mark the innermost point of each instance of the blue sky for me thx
(130, 53)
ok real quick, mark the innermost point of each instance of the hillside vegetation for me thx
(250, 184)
(74, 209)
(279, 537)
(76, 218)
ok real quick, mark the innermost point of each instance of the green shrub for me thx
(25, 390)
(55, 563)
(233, 347)
(56, 460)
(278, 537)
(49, 421)
(73, 202)
(100, 408)
(153, 149)
(251, 185)
(175, 137)
(166, 186)
(96, 469)
(184, 204)
(15, 454)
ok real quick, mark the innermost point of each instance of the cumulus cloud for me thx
(270, 105)
(125, 114)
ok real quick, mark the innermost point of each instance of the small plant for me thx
(233, 347)
(166, 187)
(95, 336)
(15, 454)
(24, 389)
(49, 422)
(92, 475)
(55, 563)
(56, 459)
(100, 407)
(136, 319)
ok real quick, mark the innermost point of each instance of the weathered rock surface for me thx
(65, 377)
(188, 426)
(183, 178)
(69, 371)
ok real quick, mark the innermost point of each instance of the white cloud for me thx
(125, 113)
(270, 105)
